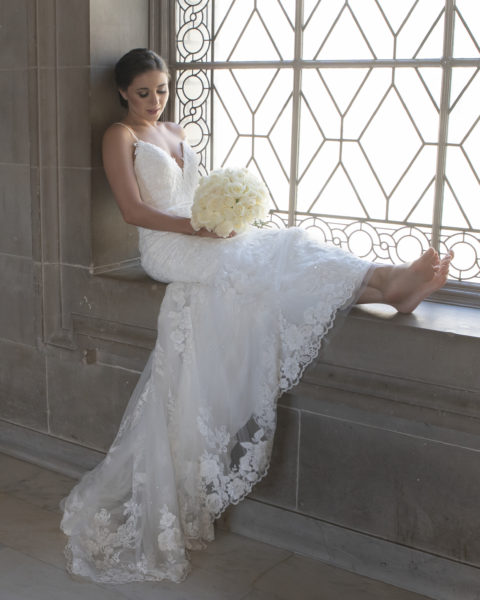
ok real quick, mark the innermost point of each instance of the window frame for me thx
(463, 293)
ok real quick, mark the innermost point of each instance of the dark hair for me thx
(135, 63)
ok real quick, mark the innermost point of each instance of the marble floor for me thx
(231, 568)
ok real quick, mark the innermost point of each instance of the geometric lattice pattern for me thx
(361, 116)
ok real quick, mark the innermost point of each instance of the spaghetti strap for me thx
(129, 129)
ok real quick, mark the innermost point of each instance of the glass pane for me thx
(467, 29)
(367, 151)
(245, 30)
(373, 29)
(252, 111)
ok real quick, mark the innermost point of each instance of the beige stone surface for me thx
(300, 577)
(14, 108)
(15, 208)
(17, 314)
(31, 530)
(22, 385)
(31, 484)
(32, 565)
(26, 578)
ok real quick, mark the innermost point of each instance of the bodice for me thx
(162, 182)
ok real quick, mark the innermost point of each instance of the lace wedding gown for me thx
(240, 321)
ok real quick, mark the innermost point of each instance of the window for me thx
(362, 116)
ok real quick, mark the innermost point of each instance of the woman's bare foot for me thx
(405, 286)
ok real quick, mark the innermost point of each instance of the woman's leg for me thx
(405, 286)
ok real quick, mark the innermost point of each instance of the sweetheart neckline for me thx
(182, 143)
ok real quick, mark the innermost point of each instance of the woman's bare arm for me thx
(118, 165)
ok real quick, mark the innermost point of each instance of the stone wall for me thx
(381, 442)
(60, 224)
(379, 445)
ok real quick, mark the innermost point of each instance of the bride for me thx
(241, 319)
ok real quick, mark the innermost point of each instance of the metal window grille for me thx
(360, 115)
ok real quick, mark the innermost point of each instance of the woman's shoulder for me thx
(118, 142)
(119, 132)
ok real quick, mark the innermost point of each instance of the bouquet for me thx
(229, 200)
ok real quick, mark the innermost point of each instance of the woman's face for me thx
(147, 95)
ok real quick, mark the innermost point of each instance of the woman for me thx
(239, 323)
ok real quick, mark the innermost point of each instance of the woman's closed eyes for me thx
(145, 93)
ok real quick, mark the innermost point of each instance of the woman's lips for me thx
(153, 111)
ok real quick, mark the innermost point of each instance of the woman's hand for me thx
(211, 234)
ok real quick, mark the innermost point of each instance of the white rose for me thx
(239, 210)
(224, 229)
(235, 189)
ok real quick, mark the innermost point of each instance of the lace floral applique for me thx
(181, 319)
(217, 438)
(109, 537)
(301, 343)
(131, 420)
(171, 402)
(158, 360)
(141, 403)
(170, 537)
(294, 340)
(106, 542)
(223, 484)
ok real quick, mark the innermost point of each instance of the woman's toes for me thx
(444, 267)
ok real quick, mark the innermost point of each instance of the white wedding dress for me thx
(240, 321)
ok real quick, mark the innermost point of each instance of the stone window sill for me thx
(431, 316)
(435, 316)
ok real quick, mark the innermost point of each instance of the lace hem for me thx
(138, 572)
(352, 293)
(308, 352)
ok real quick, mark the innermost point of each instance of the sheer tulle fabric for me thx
(239, 322)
